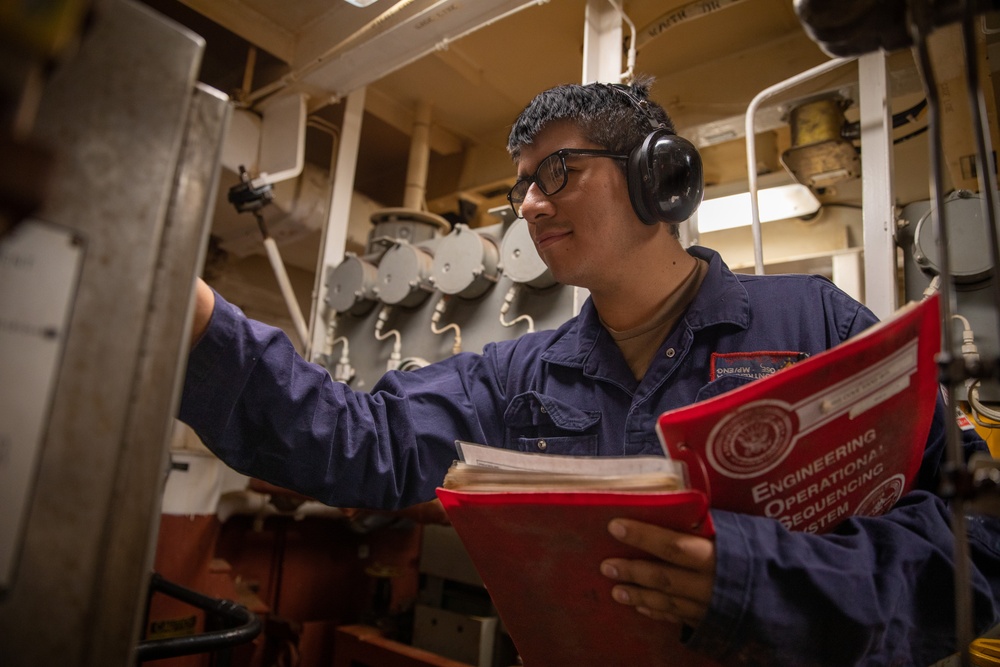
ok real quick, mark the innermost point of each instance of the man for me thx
(876, 591)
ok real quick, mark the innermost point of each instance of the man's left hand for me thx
(676, 585)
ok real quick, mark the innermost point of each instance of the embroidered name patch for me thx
(752, 364)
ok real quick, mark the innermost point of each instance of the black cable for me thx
(920, 24)
(852, 131)
(907, 137)
(245, 625)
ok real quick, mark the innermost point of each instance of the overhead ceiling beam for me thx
(334, 32)
(249, 24)
(461, 64)
(383, 46)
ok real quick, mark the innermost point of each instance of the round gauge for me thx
(351, 286)
(520, 260)
(970, 246)
(404, 275)
(465, 263)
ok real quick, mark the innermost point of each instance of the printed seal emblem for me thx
(751, 440)
(882, 497)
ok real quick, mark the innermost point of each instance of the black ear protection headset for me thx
(666, 179)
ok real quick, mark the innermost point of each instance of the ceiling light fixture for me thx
(779, 201)
(361, 3)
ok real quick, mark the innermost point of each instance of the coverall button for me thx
(670, 353)
(542, 445)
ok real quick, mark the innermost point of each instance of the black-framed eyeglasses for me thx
(551, 175)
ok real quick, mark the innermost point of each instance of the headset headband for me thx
(664, 174)
(641, 105)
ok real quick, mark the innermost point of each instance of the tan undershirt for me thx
(640, 343)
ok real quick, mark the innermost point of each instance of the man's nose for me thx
(535, 202)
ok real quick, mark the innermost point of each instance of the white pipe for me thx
(758, 250)
(507, 299)
(439, 309)
(283, 124)
(420, 150)
(286, 290)
(630, 56)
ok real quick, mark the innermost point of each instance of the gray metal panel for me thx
(142, 466)
(468, 639)
(117, 113)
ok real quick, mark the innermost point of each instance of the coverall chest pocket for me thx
(542, 424)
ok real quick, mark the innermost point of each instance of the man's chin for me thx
(564, 277)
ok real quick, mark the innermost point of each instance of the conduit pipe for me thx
(420, 151)
(287, 292)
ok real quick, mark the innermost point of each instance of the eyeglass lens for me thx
(550, 177)
(551, 174)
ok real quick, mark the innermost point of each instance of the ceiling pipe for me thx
(372, 28)
(415, 192)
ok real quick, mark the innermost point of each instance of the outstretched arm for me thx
(204, 304)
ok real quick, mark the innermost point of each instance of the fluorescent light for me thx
(776, 203)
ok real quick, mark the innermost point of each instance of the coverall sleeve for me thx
(876, 591)
(265, 411)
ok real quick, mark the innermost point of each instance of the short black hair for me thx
(604, 112)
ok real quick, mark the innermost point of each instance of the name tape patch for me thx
(752, 364)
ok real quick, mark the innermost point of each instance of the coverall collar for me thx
(720, 300)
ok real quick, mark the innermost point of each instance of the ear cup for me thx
(665, 178)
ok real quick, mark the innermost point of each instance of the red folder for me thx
(539, 554)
